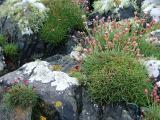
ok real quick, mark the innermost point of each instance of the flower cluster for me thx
(20, 94)
(84, 4)
(156, 96)
(123, 35)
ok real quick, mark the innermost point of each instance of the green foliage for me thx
(120, 36)
(10, 50)
(21, 95)
(64, 15)
(153, 112)
(113, 76)
(148, 49)
(2, 39)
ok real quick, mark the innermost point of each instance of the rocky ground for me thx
(62, 96)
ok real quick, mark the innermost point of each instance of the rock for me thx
(126, 13)
(152, 67)
(122, 111)
(154, 37)
(2, 60)
(61, 96)
(2, 65)
(52, 86)
(152, 7)
(78, 53)
(152, 1)
(155, 13)
(64, 61)
(90, 111)
(1, 1)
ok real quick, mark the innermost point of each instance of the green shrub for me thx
(10, 50)
(64, 15)
(21, 96)
(2, 40)
(115, 76)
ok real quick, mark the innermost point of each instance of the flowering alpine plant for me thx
(123, 35)
(84, 4)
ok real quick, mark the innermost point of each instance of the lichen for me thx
(29, 14)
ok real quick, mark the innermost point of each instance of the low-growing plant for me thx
(64, 15)
(10, 50)
(21, 95)
(153, 112)
(113, 76)
(127, 35)
(148, 49)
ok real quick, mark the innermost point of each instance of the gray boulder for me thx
(52, 86)
(62, 97)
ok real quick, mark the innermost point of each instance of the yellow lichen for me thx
(57, 67)
(117, 2)
(43, 118)
(58, 104)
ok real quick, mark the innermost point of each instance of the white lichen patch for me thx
(148, 5)
(63, 81)
(40, 71)
(153, 67)
(78, 53)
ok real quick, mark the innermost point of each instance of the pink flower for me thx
(26, 82)
(97, 17)
(148, 25)
(155, 20)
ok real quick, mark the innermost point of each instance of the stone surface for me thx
(2, 60)
(154, 37)
(78, 53)
(155, 13)
(32, 46)
(52, 86)
(90, 111)
(63, 98)
(126, 12)
(152, 7)
(153, 67)
(1, 1)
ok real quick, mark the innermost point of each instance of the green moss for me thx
(63, 17)
(115, 76)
